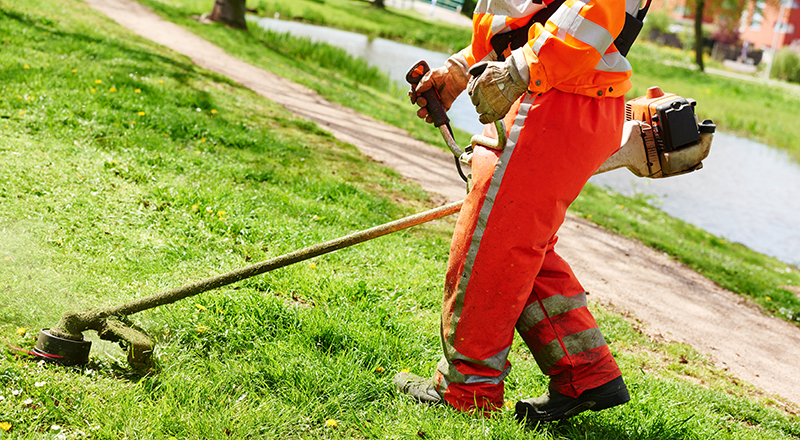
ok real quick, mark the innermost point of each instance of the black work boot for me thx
(421, 389)
(556, 406)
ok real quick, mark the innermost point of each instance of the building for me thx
(759, 29)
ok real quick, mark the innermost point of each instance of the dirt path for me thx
(668, 299)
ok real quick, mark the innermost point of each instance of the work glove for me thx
(495, 89)
(449, 80)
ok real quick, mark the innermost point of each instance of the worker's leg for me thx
(518, 202)
(561, 332)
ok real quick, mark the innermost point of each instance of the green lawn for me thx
(125, 170)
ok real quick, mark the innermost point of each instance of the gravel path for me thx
(668, 299)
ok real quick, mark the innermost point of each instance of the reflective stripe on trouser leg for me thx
(518, 201)
(561, 332)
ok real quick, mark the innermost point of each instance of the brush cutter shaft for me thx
(284, 260)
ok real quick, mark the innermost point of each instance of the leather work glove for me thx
(498, 87)
(449, 80)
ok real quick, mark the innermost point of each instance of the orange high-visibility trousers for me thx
(503, 272)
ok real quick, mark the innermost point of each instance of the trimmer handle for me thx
(435, 107)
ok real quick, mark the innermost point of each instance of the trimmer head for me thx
(61, 350)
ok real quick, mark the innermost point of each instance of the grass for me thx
(162, 173)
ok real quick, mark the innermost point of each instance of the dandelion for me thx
(202, 328)
(22, 112)
(331, 423)
(98, 81)
(74, 70)
(5, 426)
(92, 90)
(202, 139)
(141, 113)
(768, 298)
(133, 122)
(21, 330)
(221, 213)
(137, 91)
(379, 370)
(405, 370)
(26, 67)
(213, 112)
(112, 90)
(312, 265)
(201, 307)
(195, 207)
(161, 81)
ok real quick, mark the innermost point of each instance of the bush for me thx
(786, 65)
(657, 21)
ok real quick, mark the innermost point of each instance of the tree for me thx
(230, 12)
(698, 33)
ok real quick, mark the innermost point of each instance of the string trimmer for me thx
(661, 138)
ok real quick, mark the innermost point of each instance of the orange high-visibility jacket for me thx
(573, 51)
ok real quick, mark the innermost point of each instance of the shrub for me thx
(786, 65)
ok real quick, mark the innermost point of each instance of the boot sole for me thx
(527, 412)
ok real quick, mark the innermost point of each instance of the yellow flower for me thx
(74, 70)
(161, 81)
(26, 67)
(405, 370)
(379, 370)
(195, 207)
(21, 331)
(92, 90)
(202, 139)
(141, 113)
(7, 258)
(22, 112)
(202, 328)
(768, 298)
(201, 307)
(312, 265)
(137, 91)
(331, 423)
(221, 213)
(133, 122)
(112, 90)
(213, 112)
(5, 426)
(98, 81)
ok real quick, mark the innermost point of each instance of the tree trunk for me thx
(379, 4)
(698, 34)
(230, 12)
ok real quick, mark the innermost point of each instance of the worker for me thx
(554, 75)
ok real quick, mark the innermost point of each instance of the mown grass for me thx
(162, 173)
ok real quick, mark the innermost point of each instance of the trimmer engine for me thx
(671, 132)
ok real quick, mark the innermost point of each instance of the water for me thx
(746, 192)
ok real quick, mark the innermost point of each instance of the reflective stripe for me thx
(570, 22)
(583, 341)
(540, 40)
(549, 355)
(613, 62)
(451, 375)
(552, 306)
(486, 209)
(576, 343)
(632, 7)
(495, 362)
(498, 24)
